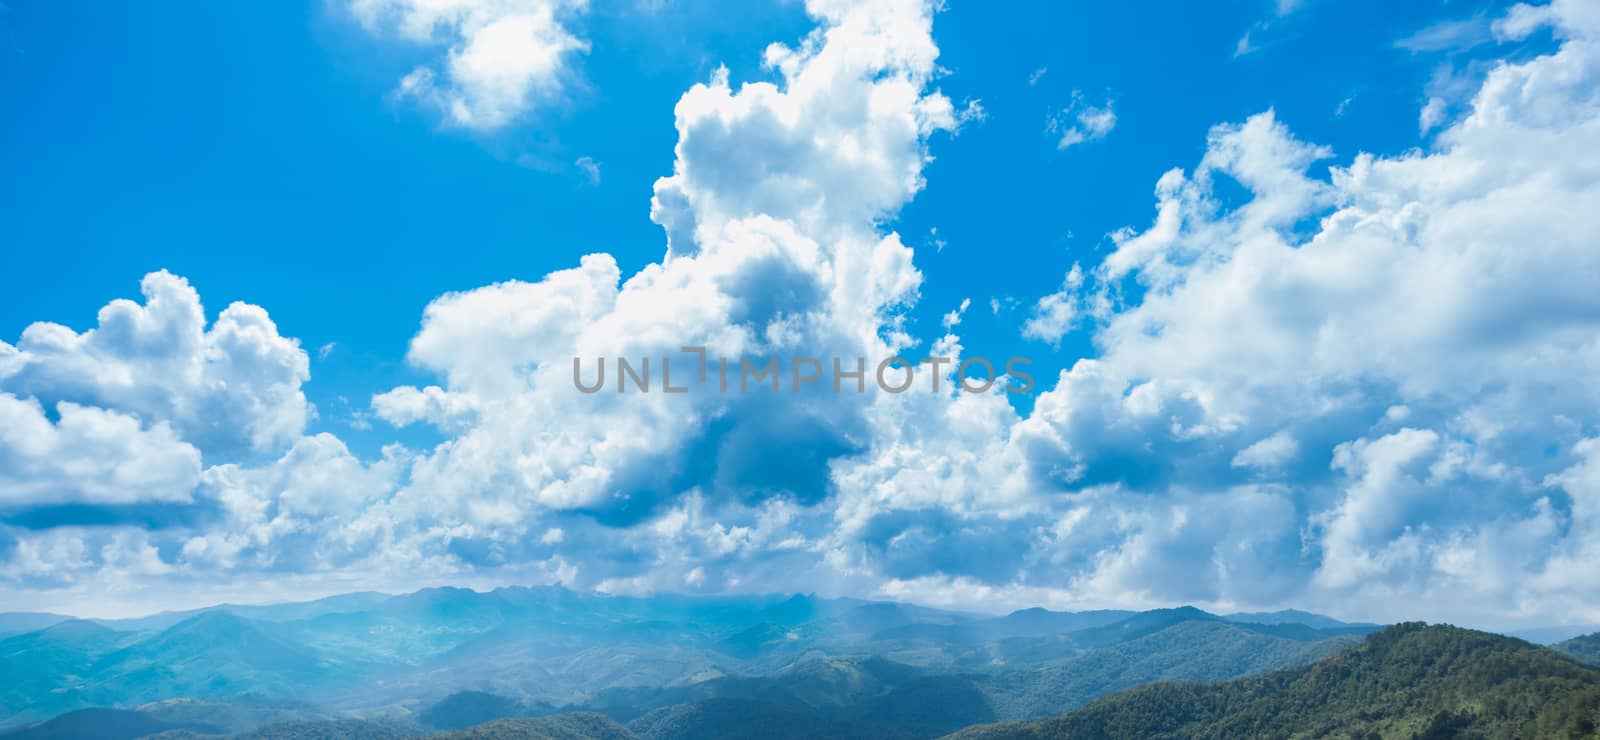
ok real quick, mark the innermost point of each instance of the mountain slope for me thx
(468, 708)
(1293, 616)
(49, 671)
(548, 647)
(16, 623)
(1409, 680)
(213, 655)
(745, 719)
(102, 724)
(1585, 649)
(1193, 650)
(575, 726)
(923, 703)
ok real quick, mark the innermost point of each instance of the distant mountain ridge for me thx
(1294, 616)
(16, 623)
(1407, 681)
(522, 652)
(1585, 649)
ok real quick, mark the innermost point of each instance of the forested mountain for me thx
(520, 652)
(1408, 681)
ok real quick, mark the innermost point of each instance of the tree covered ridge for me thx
(1411, 680)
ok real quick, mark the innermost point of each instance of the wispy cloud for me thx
(1082, 122)
(1249, 42)
(1450, 35)
(589, 168)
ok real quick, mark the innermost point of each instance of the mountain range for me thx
(549, 662)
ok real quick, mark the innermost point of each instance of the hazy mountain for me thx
(530, 662)
(748, 719)
(260, 612)
(230, 716)
(16, 623)
(213, 655)
(49, 671)
(1553, 635)
(1410, 680)
(101, 724)
(1585, 649)
(574, 726)
(452, 658)
(1179, 644)
(384, 728)
(1294, 616)
(467, 708)
(1024, 623)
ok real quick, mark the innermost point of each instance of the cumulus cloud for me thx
(1270, 453)
(771, 214)
(1325, 302)
(230, 389)
(503, 58)
(1357, 384)
(89, 456)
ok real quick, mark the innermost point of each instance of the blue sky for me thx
(271, 155)
(259, 153)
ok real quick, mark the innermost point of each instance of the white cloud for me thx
(589, 168)
(1522, 20)
(1363, 388)
(953, 319)
(1321, 304)
(1082, 122)
(774, 250)
(230, 389)
(1449, 35)
(1433, 114)
(504, 58)
(1244, 46)
(279, 514)
(406, 405)
(1056, 314)
(89, 456)
(1271, 452)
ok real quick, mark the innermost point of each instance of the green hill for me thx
(1408, 681)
